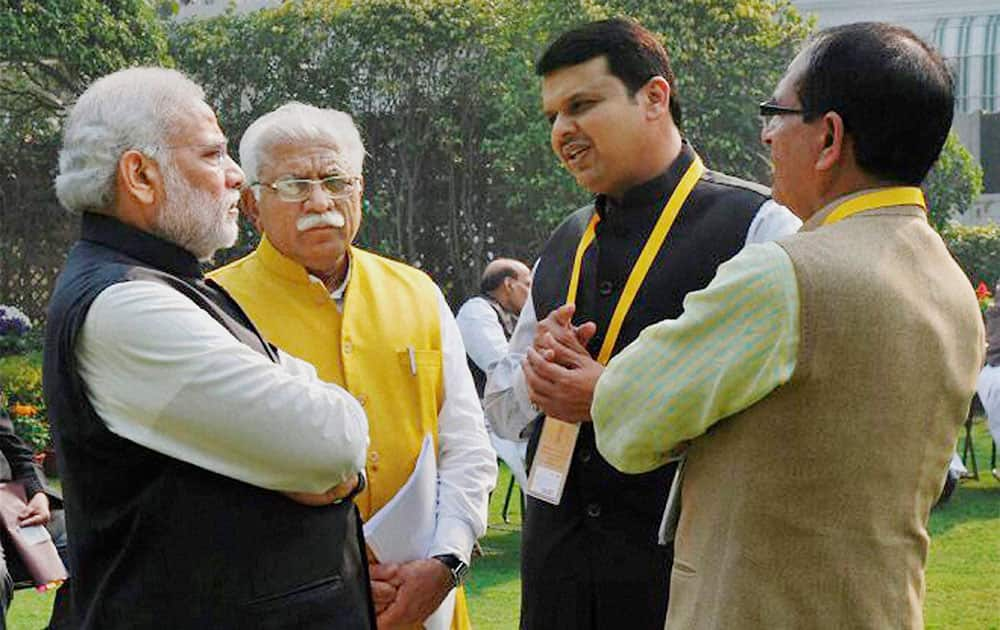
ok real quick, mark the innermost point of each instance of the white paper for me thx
(672, 511)
(403, 530)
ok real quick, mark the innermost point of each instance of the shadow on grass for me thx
(972, 501)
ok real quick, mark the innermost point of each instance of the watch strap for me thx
(455, 566)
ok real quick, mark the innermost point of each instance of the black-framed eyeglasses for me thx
(769, 111)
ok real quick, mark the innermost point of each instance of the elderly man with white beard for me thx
(207, 475)
(382, 330)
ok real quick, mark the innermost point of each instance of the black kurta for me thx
(593, 561)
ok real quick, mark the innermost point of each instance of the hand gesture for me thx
(558, 370)
(334, 494)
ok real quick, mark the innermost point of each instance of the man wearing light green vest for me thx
(816, 386)
(383, 331)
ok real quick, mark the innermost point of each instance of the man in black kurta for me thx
(593, 560)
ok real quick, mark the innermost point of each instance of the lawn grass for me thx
(963, 571)
(963, 568)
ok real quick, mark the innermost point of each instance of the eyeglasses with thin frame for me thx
(769, 111)
(298, 190)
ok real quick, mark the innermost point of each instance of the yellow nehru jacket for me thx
(384, 348)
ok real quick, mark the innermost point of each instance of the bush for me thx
(21, 393)
(977, 250)
(953, 184)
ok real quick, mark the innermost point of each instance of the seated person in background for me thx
(487, 320)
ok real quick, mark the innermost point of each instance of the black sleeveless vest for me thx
(159, 543)
(710, 228)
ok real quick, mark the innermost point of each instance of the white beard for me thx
(195, 219)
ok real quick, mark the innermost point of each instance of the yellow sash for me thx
(641, 268)
(883, 198)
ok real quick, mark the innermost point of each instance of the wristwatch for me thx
(358, 489)
(455, 565)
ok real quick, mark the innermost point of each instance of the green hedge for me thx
(977, 250)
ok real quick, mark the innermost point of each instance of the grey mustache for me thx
(332, 218)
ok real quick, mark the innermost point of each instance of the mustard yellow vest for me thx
(385, 348)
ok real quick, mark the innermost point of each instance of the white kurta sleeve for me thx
(505, 399)
(771, 222)
(467, 465)
(482, 333)
(162, 373)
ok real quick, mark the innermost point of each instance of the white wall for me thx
(212, 8)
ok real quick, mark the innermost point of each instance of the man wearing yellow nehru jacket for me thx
(379, 328)
(816, 386)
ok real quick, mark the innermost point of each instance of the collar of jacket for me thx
(140, 245)
(648, 193)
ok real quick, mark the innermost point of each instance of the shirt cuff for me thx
(32, 486)
(454, 536)
(528, 410)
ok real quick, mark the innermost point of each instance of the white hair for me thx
(135, 108)
(301, 124)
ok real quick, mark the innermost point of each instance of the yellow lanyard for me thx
(896, 196)
(641, 268)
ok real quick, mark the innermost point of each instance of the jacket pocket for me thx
(426, 366)
(315, 604)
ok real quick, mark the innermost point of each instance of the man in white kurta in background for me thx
(487, 322)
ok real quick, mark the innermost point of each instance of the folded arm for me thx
(162, 373)
(735, 342)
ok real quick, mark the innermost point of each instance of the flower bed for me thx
(21, 378)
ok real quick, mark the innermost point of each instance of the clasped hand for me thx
(407, 593)
(558, 370)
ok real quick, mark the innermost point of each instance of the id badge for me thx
(553, 457)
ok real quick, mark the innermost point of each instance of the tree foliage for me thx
(953, 184)
(459, 167)
(50, 50)
(445, 93)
